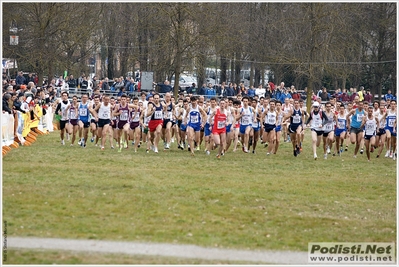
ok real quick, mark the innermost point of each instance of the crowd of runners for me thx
(222, 125)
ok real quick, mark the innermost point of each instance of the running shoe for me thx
(298, 150)
(218, 156)
(84, 146)
(112, 147)
(378, 156)
(333, 154)
(208, 153)
(120, 149)
(361, 151)
(372, 149)
(147, 151)
(315, 156)
(71, 144)
(80, 142)
(387, 154)
(266, 144)
(340, 150)
(328, 150)
(246, 150)
(156, 150)
(102, 148)
(394, 156)
(83, 142)
(267, 154)
(253, 152)
(198, 148)
(354, 156)
(325, 156)
(92, 139)
(153, 148)
(67, 135)
(62, 142)
(346, 148)
(167, 146)
(391, 155)
(295, 154)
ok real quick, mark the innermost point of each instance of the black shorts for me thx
(165, 121)
(269, 127)
(326, 134)
(293, 127)
(62, 124)
(318, 132)
(179, 123)
(86, 124)
(381, 131)
(103, 122)
(368, 137)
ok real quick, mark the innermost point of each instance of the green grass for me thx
(23, 256)
(242, 201)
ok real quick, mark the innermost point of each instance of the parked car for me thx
(184, 82)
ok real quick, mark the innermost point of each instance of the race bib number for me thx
(245, 121)
(370, 127)
(391, 122)
(341, 125)
(271, 120)
(106, 114)
(359, 117)
(123, 116)
(329, 127)
(296, 119)
(73, 115)
(221, 124)
(136, 117)
(158, 115)
(83, 112)
(194, 119)
(168, 115)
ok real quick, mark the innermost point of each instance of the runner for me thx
(328, 135)
(305, 112)
(93, 122)
(155, 110)
(221, 118)
(318, 119)
(340, 130)
(269, 118)
(287, 109)
(356, 133)
(183, 124)
(245, 116)
(144, 121)
(295, 127)
(135, 127)
(371, 124)
(102, 114)
(73, 118)
(84, 122)
(381, 133)
(230, 130)
(123, 113)
(280, 116)
(195, 118)
(62, 110)
(208, 128)
(390, 129)
(254, 134)
(168, 120)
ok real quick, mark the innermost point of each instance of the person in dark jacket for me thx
(164, 87)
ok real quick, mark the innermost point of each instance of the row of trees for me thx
(304, 44)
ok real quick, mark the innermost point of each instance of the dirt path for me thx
(167, 250)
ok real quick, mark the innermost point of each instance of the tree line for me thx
(336, 45)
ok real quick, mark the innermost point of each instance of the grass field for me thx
(22, 256)
(242, 201)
